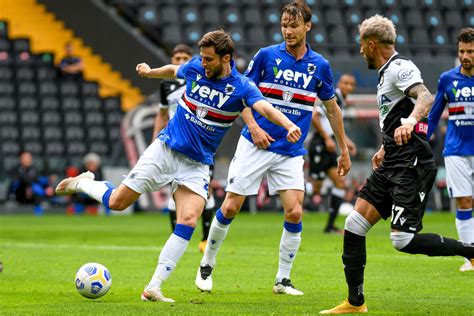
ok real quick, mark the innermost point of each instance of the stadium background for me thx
(111, 111)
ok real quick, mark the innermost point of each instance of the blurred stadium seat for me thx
(334, 22)
(33, 99)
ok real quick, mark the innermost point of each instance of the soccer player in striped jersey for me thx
(292, 77)
(216, 94)
(171, 91)
(456, 89)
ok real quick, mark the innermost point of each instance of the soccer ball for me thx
(93, 280)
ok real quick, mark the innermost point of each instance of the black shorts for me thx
(401, 193)
(320, 160)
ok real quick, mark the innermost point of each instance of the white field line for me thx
(78, 246)
(241, 250)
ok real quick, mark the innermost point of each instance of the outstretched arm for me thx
(334, 115)
(423, 103)
(269, 112)
(165, 72)
(260, 138)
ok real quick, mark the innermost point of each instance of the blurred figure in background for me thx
(455, 89)
(171, 91)
(71, 66)
(81, 202)
(27, 185)
(323, 154)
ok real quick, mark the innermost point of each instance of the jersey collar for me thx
(384, 66)
(233, 70)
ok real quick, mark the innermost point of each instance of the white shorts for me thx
(159, 166)
(250, 164)
(460, 175)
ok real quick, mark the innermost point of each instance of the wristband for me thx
(409, 120)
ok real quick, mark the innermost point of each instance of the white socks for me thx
(169, 256)
(465, 225)
(289, 244)
(95, 189)
(217, 234)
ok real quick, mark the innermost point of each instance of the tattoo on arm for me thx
(424, 100)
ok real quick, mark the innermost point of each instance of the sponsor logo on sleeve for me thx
(405, 74)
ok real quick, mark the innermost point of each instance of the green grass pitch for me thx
(42, 254)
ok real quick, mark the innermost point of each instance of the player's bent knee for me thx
(294, 215)
(357, 224)
(401, 239)
(231, 206)
(118, 203)
(188, 220)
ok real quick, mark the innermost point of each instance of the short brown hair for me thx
(220, 40)
(182, 48)
(297, 9)
(466, 35)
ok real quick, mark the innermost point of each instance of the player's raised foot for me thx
(467, 266)
(155, 295)
(204, 278)
(68, 186)
(346, 308)
(202, 245)
(286, 287)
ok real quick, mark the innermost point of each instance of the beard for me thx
(215, 73)
(466, 64)
(370, 63)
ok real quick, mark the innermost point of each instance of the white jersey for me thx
(171, 92)
(395, 78)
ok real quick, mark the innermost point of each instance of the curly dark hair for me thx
(466, 35)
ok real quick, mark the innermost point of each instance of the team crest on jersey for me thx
(311, 68)
(198, 77)
(287, 96)
(278, 61)
(201, 112)
(229, 89)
